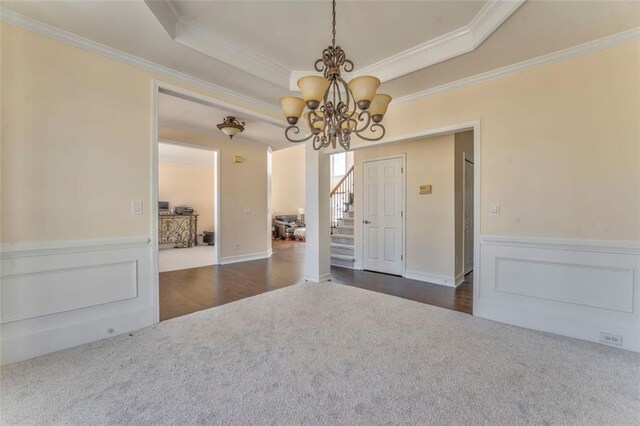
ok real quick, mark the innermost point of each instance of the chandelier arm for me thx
(295, 130)
(361, 117)
(373, 129)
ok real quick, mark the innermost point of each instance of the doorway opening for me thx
(415, 210)
(186, 206)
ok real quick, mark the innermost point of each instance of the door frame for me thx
(158, 87)
(475, 126)
(464, 209)
(403, 157)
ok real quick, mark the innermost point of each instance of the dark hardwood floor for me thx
(190, 290)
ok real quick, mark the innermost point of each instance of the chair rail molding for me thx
(574, 287)
(59, 294)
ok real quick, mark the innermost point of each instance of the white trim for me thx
(245, 257)
(572, 287)
(563, 325)
(317, 278)
(166, 13)
(195, 36)
(129, 59)
(422, 134)
(550, 58)
(21, 346)
(465, 159)
(448, 281)
(206, 100)
(460, 279)
(572, 244)
(455, 43)
(157, 88)
(44, 248)
(403, 157)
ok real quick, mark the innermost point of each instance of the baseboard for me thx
(431, 278)
(16, 348)
(60, 294)
(572, 287)
(460, 278)
(317, 278)
(245, 257)
(556, 323)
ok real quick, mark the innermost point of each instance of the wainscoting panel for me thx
(577, 288)
(58, 295)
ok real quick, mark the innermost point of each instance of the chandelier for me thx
(231, 126)
(336, 109)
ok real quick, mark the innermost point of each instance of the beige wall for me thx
(242, 186)
(287, 180)
(560, 144)
(429, 218)
(193, 186)
(76, 135)
(463, 146)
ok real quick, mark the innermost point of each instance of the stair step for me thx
(347, 221)
(342, 239)
(345, 230)
(342, 249)
(341, 260)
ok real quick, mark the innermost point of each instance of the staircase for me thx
(341, 202)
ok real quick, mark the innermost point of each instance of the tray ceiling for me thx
(254, 50)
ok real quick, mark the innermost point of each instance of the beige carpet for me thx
(327, 354)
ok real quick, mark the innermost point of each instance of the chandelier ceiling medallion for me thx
(336, 109)
(231, 126)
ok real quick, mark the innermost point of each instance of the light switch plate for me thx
(136, 208)
(247, 210)
(494, 209)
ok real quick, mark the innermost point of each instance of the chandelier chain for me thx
(333, 41)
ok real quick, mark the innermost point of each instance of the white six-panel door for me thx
(383, 199)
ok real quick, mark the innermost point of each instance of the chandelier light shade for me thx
(231, 126)
(336, 109)
(292, 107)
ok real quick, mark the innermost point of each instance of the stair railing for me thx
(340, 198)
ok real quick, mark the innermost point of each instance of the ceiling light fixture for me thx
(231, 126)
(337, 109)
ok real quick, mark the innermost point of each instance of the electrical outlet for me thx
(610, 339)
(237, 246)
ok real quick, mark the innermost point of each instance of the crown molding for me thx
(66, 37)
(455, 43)
(195, 36)
(166, 13)
(581, 49)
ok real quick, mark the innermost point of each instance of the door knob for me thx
(366, 222)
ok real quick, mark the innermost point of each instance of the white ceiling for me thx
(295, 33)
(193, 116)
(180, 154)
(270, 40)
